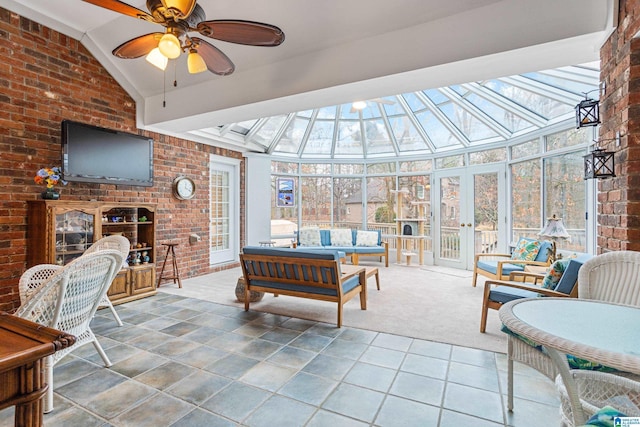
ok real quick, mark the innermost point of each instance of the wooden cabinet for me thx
(59, 231)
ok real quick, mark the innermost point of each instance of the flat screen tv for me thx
(104, 156)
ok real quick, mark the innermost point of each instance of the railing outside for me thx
(485, 241)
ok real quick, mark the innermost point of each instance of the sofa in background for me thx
(302, 273)
(354, 243)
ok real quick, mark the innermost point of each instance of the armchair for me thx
(67, 301)
(500, 266)
(517, 349)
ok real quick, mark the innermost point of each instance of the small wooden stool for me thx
(175, 276)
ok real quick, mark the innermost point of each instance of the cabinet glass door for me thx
(74, 234)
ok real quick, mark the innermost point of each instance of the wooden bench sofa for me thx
(302, 273)
(358, 243)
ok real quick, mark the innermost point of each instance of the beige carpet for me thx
(428, 302)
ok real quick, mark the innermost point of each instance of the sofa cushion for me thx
(526, 249)
(341, 237)
(545, 251)
(348, 285)
(569, 279)
(309, 237)
(504, 294)
(367, 238)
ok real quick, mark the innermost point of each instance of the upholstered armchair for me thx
(527, 252)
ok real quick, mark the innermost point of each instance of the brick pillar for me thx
(618, 221)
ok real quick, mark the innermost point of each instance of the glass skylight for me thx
(424, 123)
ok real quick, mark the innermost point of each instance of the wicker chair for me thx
(116, 242)
(68, 300)
(612, 277)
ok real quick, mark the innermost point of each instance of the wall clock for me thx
(184, 188)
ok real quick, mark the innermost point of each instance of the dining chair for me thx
(68, 300)
(121, 244)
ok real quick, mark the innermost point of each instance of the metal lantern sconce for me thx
(587, 113)
(600, 163)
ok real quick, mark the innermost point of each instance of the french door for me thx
(472, 214)
(224, 191)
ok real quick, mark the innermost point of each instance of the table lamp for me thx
(555, 230)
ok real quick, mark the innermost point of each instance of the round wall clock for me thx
(184, 188)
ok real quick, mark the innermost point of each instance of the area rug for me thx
(429, 302)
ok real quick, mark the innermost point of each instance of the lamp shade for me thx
(157, 59)
(195, 62)
(169, 46)
(555, 229)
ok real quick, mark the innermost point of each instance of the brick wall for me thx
(619, 198)
(46, 77)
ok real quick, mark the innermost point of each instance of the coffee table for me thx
(370, 271)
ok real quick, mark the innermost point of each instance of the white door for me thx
(471, 217)
(224, 213)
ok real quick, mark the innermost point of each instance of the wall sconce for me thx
(587, 113)
(600, 163)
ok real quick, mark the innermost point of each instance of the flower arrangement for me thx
(49, 176)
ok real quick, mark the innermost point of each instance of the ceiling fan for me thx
(179, 17)
(361, 105)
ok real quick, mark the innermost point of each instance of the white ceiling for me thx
(335, 51)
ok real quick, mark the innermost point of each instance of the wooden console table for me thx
(23, 347)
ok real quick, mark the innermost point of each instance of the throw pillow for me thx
(555, 274)
(526, 250)
(309, 237)
(341, 237)
(366, 238)
(605, 417)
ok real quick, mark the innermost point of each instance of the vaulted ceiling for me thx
(335, 52)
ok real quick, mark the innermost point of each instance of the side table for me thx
(23, 347)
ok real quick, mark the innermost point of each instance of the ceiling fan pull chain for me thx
(164, 88)
(175, 75)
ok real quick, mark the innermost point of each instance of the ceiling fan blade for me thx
(242, 32)
(140, 46)
(179, 8)
(123, 8)
(217, 62)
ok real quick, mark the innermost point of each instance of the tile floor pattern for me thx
(186, 362)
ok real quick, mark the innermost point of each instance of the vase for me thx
(50, 194)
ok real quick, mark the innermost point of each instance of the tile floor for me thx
(181, 361)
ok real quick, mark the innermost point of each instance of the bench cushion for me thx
(503, 294)
(348, 285)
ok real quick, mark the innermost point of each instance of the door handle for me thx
(462, 225)
(469, 225)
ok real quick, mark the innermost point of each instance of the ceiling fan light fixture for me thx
(195, 62)
(169, 46)
(180, 8)
(157, 59)
(359, 105)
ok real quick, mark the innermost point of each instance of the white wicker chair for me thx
(116, 242)
(33, 278)
(68, 300)
(612, 277)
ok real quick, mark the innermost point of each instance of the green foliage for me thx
(385, 214)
